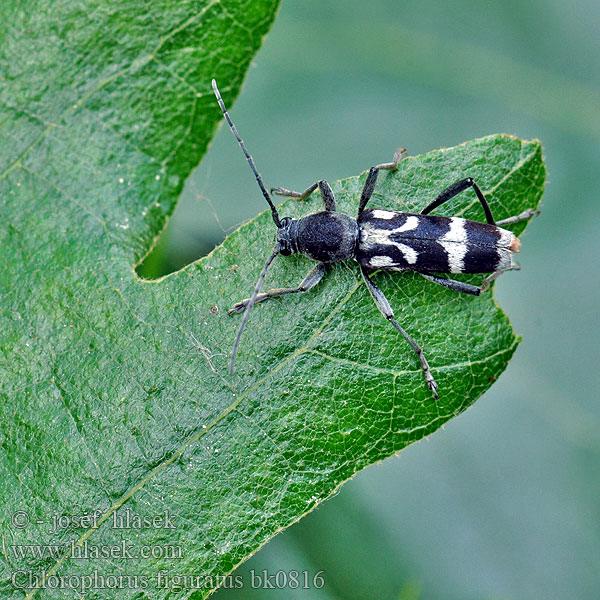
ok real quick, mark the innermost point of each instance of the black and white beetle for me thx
(384, 239)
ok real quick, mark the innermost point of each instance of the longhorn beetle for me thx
(384, 239)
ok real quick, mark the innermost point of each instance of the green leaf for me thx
(116, 402)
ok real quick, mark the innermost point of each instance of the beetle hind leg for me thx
(526, 214)
(468, 288)
(453, 284)
(454, 190)
(485, 284)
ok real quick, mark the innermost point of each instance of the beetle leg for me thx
(392, 166)
(530, 212)
(309, 282)
(386, 310)
(457, 188)
(371, 180)
(452, 284)
(325, 189)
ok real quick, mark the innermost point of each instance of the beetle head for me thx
(286, 236)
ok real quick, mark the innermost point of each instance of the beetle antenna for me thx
(250, 304)
(247, 154)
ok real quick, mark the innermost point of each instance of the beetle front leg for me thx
(309, 282)
(325, 189)
(392, 166)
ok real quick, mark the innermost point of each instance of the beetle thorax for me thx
(325, 236)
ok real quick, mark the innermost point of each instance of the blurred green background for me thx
(503, 502)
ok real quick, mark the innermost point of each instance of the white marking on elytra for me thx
(383, 214)
(454, 242)
(509, 240)
(381, 261)
(505, 260)
(410, 254)
(505, 237)
(371, 236)
(411, 222)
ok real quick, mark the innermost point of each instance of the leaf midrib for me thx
(193, 439)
